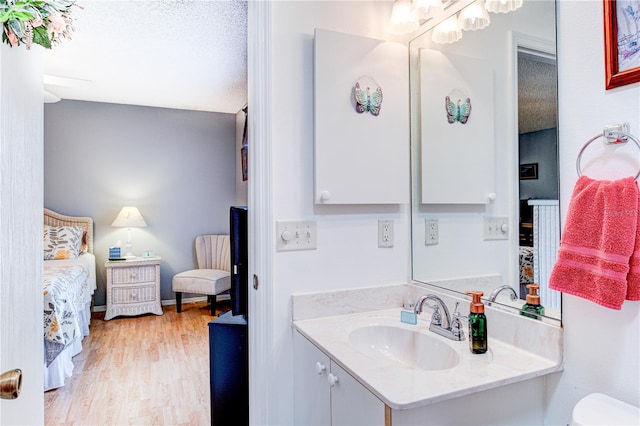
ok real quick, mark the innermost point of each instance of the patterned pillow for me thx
(62, 242)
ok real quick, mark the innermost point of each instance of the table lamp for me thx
(129, 217)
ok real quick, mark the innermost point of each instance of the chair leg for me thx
(179, 301)
(212, 300)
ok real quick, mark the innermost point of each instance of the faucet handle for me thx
(456, 324)
(457, 314)
(436, 318)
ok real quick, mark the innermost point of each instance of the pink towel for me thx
(633, 278)
(597, 241)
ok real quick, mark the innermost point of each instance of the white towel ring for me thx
(612, 139)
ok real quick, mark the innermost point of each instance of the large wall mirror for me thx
(485, 210)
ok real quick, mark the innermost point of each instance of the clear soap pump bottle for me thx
(477, 324)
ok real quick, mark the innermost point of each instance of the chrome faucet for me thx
(452, 328)
(494, 293)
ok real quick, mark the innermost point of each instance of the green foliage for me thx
(41, 37)
(43, 22)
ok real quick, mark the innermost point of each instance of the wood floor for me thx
(146, 370)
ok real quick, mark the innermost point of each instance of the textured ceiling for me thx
(184, 54)
(537, 94)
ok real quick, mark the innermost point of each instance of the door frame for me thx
(261, 228)
(545, 48)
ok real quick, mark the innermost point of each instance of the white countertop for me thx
(402, 387)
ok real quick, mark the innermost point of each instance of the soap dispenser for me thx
(477, 324)
(532, 308)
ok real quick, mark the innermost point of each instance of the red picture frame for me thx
(615, 77)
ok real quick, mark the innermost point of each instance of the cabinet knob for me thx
(320, 368)
(325, 196)
(332, 380)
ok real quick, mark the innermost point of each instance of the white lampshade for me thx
(403, 20)
(129, 217)
(422, 8)
(447, 31)
(474, 17)
(502, 6)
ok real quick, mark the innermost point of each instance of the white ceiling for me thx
(184, 54)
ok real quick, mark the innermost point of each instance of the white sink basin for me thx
(409, 348)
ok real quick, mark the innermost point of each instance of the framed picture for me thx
(245, 162)
(621, 42)
(529, 171)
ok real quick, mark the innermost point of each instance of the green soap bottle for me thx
(477, 324)
(532, 308)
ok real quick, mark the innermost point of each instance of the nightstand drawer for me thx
(134, 275)
(137, 294)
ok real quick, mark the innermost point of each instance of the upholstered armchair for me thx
(213, 274)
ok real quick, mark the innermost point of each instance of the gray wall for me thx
(540, 147)
(178, 167)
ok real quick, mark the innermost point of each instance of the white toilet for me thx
(600, 409)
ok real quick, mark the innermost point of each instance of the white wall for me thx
(602, 346)
(348, 255)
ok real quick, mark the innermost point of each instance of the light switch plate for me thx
(496, 228)
(296, 235)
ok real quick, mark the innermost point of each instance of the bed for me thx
(69, 281)
(526, 269)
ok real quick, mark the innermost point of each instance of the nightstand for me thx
(133, 287)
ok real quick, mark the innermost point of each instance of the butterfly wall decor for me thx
(457, 112)
(367, 100)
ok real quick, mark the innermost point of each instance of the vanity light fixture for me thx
(474, 17)
(408, 15)
(447, 31)
(403, 20)
(422, 8)
(502, 6)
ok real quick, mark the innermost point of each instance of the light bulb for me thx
(447, 31)
(474, 17)
(502, 6)
(403, 20)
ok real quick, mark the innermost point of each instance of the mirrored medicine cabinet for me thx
(484, 157)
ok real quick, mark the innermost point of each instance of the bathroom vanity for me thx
(359, 364)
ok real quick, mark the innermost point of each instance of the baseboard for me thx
(103, 308)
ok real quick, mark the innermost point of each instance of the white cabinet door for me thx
(311, 389)
(325, 394)
(361, 151)
(457, 156)
(351, 403)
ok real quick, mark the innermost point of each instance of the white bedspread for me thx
(86, 260)
(68, 289)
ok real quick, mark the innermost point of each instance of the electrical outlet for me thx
(431, 232)
(385, 233)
